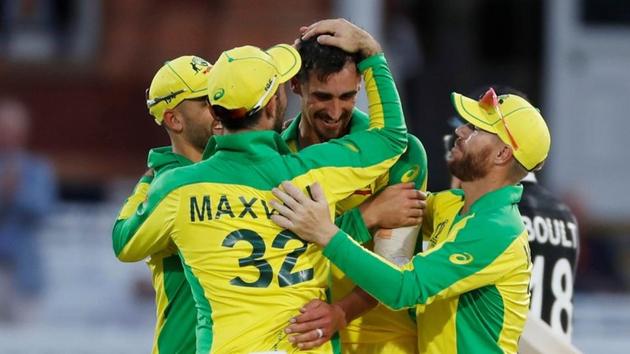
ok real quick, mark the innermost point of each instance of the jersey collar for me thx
(252, 144)
(498, 198)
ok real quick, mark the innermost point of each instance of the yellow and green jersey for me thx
(380, 329)
(248, 276)
(470, 289)
(175, 307)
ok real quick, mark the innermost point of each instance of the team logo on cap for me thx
(461, 258)
(218, 94)
(199, 64)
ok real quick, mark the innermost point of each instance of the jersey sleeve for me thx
(136, 198)
(353, 224)
(471, 261)
(359, 158)
(147, 230)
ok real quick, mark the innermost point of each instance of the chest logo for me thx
(461, 258)
(411, 174)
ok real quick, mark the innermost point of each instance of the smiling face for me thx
(327, 104)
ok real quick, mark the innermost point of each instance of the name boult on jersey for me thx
(550, 230)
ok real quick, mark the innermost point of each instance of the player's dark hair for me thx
(322, 60)
(233, 124)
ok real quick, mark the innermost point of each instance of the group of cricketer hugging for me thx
(262, 234)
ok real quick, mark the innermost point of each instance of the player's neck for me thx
(306, 134)
(187, 150)
(476, 189)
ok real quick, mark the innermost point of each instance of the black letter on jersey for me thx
(247, 207)
(267, 212)
(205, 209)
(224, 207)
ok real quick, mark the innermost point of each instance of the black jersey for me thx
(554, 243)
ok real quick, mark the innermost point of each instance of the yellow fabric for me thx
(247, 77)
(136, 198)
(401, 345)
(154, 262)
(202, 249)
(187, 74)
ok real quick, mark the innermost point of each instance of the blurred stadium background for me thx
(82, 66)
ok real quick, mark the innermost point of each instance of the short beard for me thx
(471, 167)
(198, 138)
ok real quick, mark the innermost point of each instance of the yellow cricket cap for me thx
(513, 119)
(179, 79)
(246, 78)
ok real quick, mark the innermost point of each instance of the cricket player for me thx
(470, 289)
(554, 242)
(177, 99)
(327, 85)
(249, 276)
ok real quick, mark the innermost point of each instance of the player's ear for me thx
(172, 121)
(270, 108)
(217, 127)
(503, 155)
(295, 86)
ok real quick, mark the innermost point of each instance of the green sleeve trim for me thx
(146, 179)
(353, 224)
(374, 60)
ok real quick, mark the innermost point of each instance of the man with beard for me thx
(245, 270)
(470, 288)
(178, 100)
(328, 84)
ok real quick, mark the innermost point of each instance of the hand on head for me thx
(342, 34)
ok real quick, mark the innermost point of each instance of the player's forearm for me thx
(356, 303)
(388, 284)
(147, 231)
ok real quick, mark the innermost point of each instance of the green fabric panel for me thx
(178, 333)
(204, 313)
(335, 341)
(438, 273)
(145, 179)
(353, 224)
(163, 159)
(433, 273)
(473, 335)
(415, 157)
